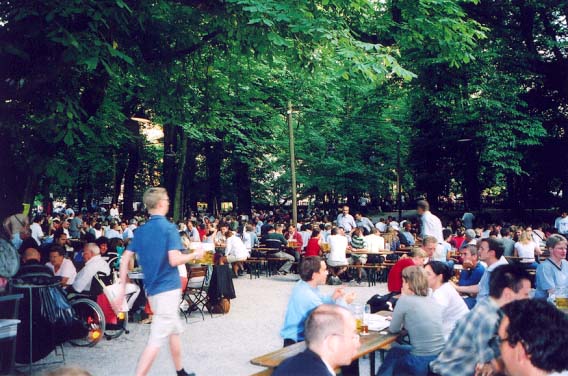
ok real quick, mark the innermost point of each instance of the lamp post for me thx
(292, 165)
(398, 172)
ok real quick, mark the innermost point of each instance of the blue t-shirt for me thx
(304, 299)
(550, 276)
(151, 243)
(471, 277)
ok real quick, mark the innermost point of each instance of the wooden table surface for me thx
(370, 343)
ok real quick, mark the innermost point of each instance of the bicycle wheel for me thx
(115, 330)
(92, 317)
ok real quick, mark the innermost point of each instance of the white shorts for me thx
(165, 319)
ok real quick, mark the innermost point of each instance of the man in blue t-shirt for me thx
(470, 275)
(157, 245)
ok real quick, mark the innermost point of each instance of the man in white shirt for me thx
(93, 265)
(337, 258)
(375, 242)
(114, 212)
(346, 220)
(431, 225)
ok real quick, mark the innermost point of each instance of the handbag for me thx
(111, 292)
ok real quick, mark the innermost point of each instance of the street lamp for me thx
(398, 180)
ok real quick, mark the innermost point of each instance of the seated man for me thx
(471, 274)
(375, 244)
(93, 264)
(306, 296)
(490, 251)
(61, 266)
(552, 273)
(331, 339)
(337, 258)
(32, 270)
(533, 339)
(275, 240)
(468, 346)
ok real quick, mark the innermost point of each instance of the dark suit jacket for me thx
(306, 363)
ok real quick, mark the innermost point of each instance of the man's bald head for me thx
(324, 321)
(31, 254)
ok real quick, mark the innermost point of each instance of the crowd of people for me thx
(449, 284)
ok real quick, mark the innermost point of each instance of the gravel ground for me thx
(222, 345)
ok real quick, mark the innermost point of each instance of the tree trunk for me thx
(131, 168)
(190, 203)
(243, 186)
(178, 196)
(214, 158)
(170, 162)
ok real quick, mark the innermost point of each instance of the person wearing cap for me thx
(470, 238)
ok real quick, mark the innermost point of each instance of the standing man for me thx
(431, 225)
(157, 245)
(364, 222)
(306, 296)
(75, 225)
(346, 220)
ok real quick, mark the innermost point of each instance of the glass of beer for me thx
(561, 300)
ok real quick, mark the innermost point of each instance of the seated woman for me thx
(313, 247)
(454, 307)
(421, 316)
(236, 251)
(526, 248)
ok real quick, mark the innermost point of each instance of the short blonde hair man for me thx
(153, 196)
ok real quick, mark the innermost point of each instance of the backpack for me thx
(9, 259)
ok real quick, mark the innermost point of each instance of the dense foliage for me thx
(367, 80)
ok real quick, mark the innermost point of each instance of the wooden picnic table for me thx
(369, 345)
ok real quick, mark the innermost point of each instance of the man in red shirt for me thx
(394, 280)
(294, 235)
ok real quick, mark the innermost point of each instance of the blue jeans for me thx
(400, 361)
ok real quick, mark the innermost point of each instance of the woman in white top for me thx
(235, 250)
(526, 248)
(454, 307)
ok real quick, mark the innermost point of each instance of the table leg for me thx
(372, 363)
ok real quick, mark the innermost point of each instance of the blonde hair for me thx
(416, 279)
(525, 238)
(153, 195)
